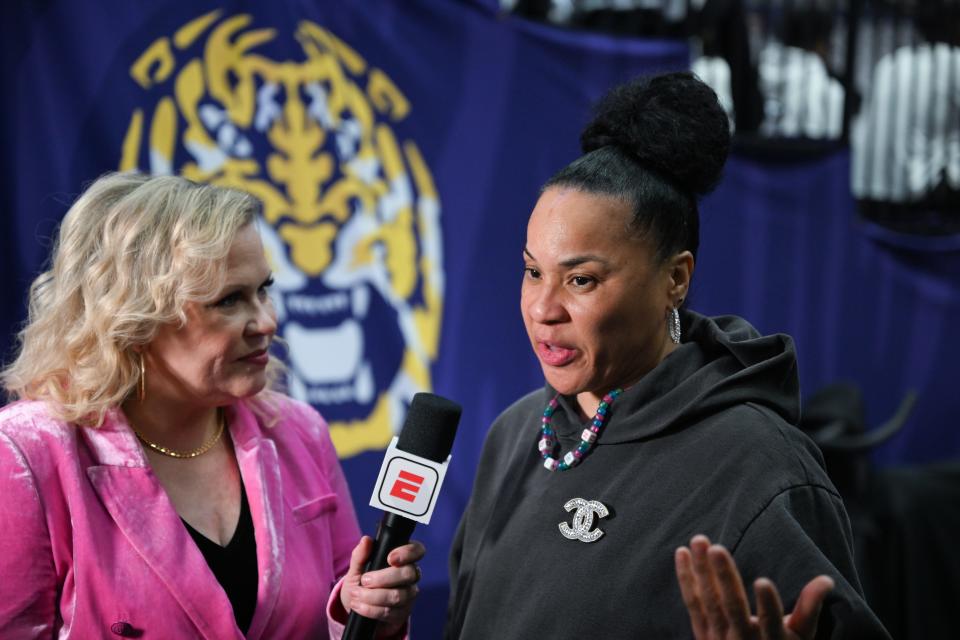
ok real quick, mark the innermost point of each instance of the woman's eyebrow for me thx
(574, 261)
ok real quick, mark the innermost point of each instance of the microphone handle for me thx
(394, 531)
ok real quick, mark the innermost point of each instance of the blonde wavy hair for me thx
(131, 252)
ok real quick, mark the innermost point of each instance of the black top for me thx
(704, 443)
(235, 565)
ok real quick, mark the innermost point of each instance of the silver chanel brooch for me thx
(583, 520)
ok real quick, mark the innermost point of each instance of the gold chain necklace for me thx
(199, 451)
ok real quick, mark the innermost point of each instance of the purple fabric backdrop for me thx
(782, 245)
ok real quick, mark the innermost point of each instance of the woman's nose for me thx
(544, 304)
(264, 319)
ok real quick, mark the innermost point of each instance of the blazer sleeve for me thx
(345, 535)
(28, 580)
(346, 532)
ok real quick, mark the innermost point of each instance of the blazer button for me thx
(123, 629)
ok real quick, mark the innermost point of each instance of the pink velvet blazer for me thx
(91, 547)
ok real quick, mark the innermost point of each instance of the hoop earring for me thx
(674, 322)
(142, 383)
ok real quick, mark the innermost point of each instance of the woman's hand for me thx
(717, 601)
(387, 594)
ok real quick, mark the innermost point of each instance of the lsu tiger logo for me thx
(351, 217)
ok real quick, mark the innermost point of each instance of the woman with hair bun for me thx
(659, 429)
(151, 483)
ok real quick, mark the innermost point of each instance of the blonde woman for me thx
(150, 482)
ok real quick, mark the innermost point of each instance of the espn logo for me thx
(408, 486)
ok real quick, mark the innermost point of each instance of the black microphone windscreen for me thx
(430, 426)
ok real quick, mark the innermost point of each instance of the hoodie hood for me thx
(722, 361)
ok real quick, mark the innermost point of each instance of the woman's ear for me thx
(680, 272)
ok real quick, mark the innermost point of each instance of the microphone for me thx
(407, 487)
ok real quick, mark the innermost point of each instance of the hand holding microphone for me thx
(410, 478)
(385, 595)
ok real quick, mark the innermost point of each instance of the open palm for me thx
(717, 600)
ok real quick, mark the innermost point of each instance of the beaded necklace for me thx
(548, 438)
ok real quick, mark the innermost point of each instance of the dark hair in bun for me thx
(658, 143)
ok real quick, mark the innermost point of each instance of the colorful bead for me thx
(587, 439)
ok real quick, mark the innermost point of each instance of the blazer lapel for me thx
(141, 509)
(260, 469)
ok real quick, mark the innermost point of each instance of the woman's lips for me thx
(257, 357)
(554, 355)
